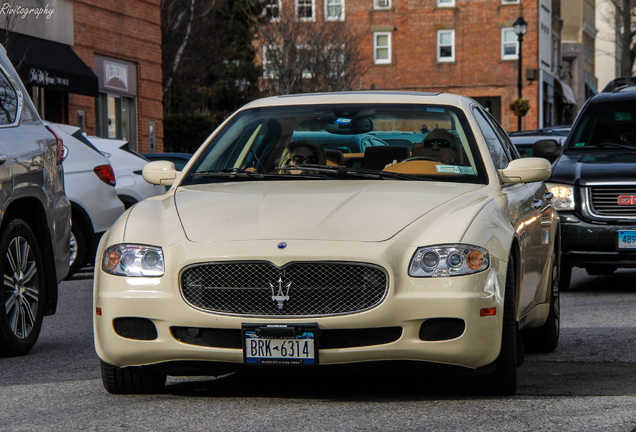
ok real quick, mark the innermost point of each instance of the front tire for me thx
(503, 379)
(132, 380)
(22, 298)
(546, 338)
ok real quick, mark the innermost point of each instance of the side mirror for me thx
(547, 148)
(161, 173)
(526, 170)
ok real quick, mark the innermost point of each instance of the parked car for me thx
(263, 254)
(131, 187)
(34, 217)
(594, 182)
(178, 159)
(540, 145)
(90, 187)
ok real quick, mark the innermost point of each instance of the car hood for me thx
(312, 210)
(583, 167)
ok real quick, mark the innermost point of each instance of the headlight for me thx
(133, 260)
(563, 196)
(448, 260)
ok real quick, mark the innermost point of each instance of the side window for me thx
(8, 101)
(497, 152)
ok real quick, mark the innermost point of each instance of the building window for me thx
(381, 4)
(445, 3)
(272, 9)
(334, 10)
(509, 44)
(382, 47)
(305, 10)
(505, 2)
(446, 45)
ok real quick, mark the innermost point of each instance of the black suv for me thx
(34, 216)
(594, 184)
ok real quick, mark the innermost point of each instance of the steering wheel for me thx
(422, 158)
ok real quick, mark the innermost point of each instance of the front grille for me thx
(604, 201)
(299, 289)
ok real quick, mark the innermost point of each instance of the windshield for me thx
(400, 142)
(610, 125)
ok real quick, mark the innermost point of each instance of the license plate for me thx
(627, 240)
(280, 345)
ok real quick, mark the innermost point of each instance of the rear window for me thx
(8, 101)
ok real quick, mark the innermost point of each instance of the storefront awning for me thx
(50, 65)
(566, 91)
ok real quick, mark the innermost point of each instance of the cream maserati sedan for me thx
(286, 241)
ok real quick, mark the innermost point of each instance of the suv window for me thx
(8, 101)
(602, 124)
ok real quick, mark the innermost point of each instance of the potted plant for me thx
(520, 107)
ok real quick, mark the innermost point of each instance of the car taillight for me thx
(59, 152)
(105, 174)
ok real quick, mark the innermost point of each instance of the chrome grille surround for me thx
(318, 288)
(601, 201)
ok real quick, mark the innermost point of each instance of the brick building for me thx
(460, 46)
(96, 65)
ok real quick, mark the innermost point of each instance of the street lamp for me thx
(520, 26)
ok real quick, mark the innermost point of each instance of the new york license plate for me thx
(627, 240)
(280, 345)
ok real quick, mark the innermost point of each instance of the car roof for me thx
(362, 97)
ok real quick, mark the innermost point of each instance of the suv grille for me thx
(316, 288)
(604, 201)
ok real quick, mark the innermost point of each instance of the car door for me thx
(523, 212)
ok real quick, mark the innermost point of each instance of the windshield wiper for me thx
(243, 173)
(354, 172)
(228, 172)
(611, 144)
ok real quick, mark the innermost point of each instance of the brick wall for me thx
(478, 70)
(131, 31)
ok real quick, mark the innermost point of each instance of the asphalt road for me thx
(587, 384)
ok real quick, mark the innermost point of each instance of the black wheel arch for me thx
(32, 212)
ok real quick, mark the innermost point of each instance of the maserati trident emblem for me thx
(280, 294)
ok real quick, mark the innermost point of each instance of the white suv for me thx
(34, 216)
(90, 187)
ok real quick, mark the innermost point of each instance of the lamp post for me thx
(520, 26)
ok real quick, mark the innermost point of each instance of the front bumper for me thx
(421, 319)
(584, 243)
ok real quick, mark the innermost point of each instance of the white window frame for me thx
(313, 10)
(377, 47)
(445, 3)
(267, 74)
(441, 59)
(507, 2)
(504, 56)
(340, 17)
(381, 4)
(271, 6)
